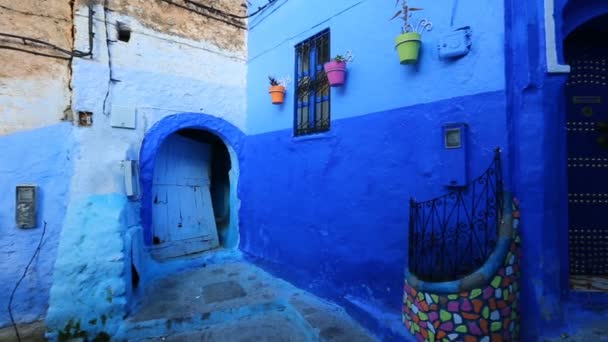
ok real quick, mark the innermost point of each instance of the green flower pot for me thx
(408, 47)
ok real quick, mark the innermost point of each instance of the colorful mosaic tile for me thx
(486, 314)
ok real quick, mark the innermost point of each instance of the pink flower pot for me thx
(336, 73)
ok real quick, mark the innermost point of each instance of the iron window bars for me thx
(312, 102)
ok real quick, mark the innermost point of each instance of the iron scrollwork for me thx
(453, 235)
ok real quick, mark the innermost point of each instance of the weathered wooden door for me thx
(183, 219)
(587, 125)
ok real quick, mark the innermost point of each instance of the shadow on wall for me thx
(192, 184)
(578, 12)
(50, 167)
(220, 166)
(222, 142)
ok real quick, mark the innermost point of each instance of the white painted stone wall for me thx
(154, 75)
(21, 111)
(157, 75)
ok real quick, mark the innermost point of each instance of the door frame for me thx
(230, 135)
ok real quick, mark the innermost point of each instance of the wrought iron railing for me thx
(453, 235)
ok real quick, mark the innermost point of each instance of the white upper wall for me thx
(375, 81)
(154, 75)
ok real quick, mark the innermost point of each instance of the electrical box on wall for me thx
(131, 174)
(454, 156)
(123, 117)
(26, 206)
(455, 44)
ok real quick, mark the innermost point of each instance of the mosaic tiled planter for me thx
(487, 311)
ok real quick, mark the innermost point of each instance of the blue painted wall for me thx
(329, 212)
(375, 78)
(89, 279)
(42, 157)
(538, 164)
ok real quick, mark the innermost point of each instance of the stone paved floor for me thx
(31, 332)
(593, 332)
(585, 319)
(239, 302)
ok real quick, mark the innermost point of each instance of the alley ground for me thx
(237, 302)
(593, 332)
(228, 301)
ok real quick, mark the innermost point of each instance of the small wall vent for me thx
(85, 119)
(123, 32)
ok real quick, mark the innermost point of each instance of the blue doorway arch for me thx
(154, 138)
(576, 13)
(573, 15)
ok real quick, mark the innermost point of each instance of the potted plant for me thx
(409, 41)
(277, 89)
(336, 69)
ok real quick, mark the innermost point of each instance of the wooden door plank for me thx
(160, 210)
(183, 210)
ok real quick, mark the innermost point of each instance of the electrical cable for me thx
(227, 14)
(10, 301)
(106, 11)
(454, 9)
(32, 41)
(269, 14)
(34, 14)
(6, 47)
(205, 15)
(219, 12)
(28, 41)
(308, 29)
(260, 13)
(175, 41)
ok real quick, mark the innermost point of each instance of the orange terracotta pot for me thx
(277, 94)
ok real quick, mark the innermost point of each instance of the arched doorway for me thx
(189, 178)
(586, 91)
(190, 191)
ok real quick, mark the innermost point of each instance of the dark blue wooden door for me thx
(587, 126)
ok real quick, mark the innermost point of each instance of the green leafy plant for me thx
(346, 58)
(279, 82)
(273, 81)
(405, 13)
(71, 331)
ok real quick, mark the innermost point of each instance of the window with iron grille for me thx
(312, 103)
